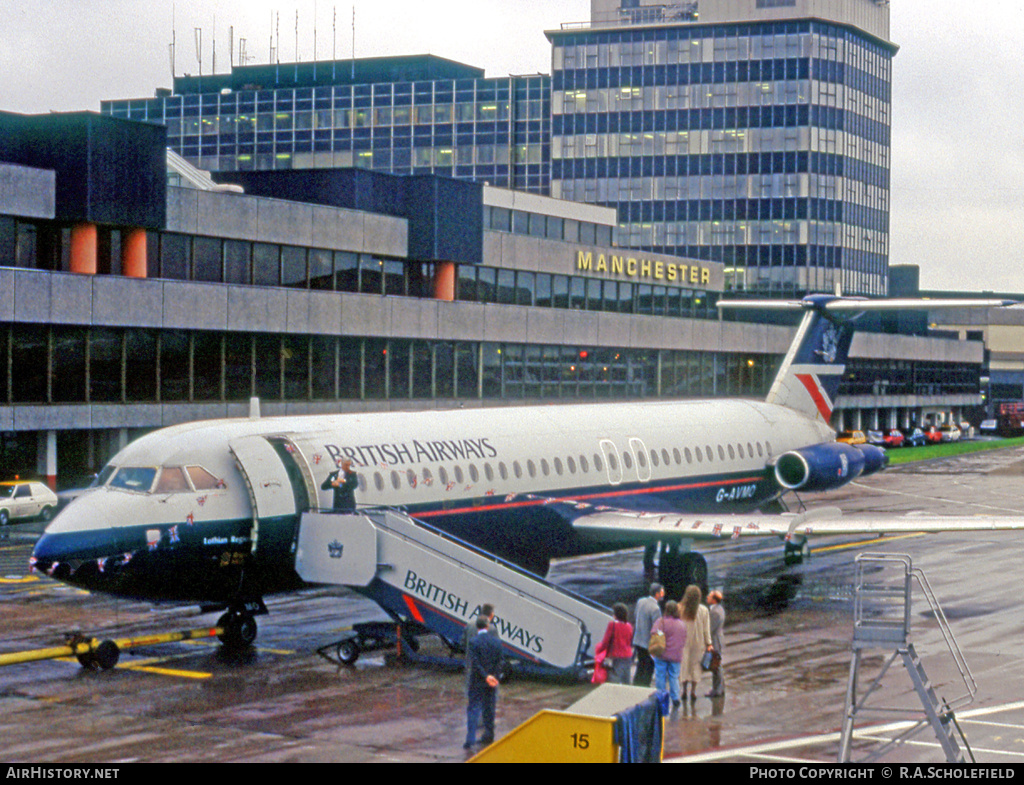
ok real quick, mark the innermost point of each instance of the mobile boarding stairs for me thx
(881, 620)
(429, 581)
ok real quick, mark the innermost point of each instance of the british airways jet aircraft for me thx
(209, 512)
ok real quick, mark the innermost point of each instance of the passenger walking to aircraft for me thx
(698, 638)
(666, 664)
(648, 611)
(717, 614)
(484, 660)
(617, 645)
(344, 489)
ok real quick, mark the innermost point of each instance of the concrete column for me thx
(858, 421)
(84, 249)
(122, 438)
(46, 457)
(444, 281)
(133, 253)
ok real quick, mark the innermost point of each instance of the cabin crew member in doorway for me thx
(344, 488)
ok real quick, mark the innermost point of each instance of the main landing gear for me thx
(677, 570)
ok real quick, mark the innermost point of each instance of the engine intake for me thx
(827, 466)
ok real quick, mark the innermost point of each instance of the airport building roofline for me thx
(367, 70)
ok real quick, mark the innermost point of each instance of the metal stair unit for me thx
(882, 600)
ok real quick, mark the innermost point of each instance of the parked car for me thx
(950, 433)
(875, 437)
(24, 500)
(852, 437)
(933, 435)
(893, 438)
(914, 437)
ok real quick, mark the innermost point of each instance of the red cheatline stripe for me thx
(582, 497)
(811, 383)
(412, 608)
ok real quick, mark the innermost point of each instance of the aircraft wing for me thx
(614, 524)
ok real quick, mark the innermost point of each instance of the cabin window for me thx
(732, 453)
(443, 474)
(583, 464)
(664, 456)
(134, 478)
(378, 480)
(571, 463)
(689, 455)
(517, 469)
(202, 480)
(750, 449)
(613, 462)
(721, 453)
(708, 453)
(700, 455)
(768, 448)
(396, 480)
(362, 482)
(474, 474)
(627, 460)
(410, 476)
(428, 478)
(675, 454)
(531, 468)
(641, 458)
(544, 466)
(558, 466)
(459, 476)
(597, 462)
(488, 472)
(502, 470)
(739, 449)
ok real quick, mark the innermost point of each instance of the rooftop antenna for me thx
(314, 40)
(231, 46)
(296, 45)
(198, 33)
(353, 43)
(173, 36)
(213, 68)
(334, 43)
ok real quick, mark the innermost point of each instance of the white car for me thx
(25, 499)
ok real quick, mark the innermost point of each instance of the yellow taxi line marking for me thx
(859, 543)
(167, 671)
(21, 579)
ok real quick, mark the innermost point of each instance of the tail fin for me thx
(808, 380)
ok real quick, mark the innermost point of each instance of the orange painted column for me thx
(133, 253)
(83, 248)
(444, 281)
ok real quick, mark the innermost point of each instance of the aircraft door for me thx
(611, 461)
(270, 489)
(640, 459)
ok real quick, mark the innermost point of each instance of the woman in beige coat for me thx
(698, 639)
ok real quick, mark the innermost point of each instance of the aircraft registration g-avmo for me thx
(210, 512)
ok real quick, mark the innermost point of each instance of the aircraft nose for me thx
(71, 538)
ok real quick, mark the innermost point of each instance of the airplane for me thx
(209, 512)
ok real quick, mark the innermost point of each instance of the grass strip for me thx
(932, 451)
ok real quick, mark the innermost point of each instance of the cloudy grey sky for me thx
(958, 104)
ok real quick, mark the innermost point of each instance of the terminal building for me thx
(405, 233)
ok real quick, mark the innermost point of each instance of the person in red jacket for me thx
(617, 645)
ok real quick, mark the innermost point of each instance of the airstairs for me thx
(882, 614)
(426, 580)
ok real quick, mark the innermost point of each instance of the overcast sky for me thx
(958, 102)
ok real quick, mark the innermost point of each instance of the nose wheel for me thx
(240, 629)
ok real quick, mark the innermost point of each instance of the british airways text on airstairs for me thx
(416, 572)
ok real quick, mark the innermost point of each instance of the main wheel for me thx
(348, 651)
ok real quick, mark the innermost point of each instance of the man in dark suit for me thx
(344, 489)
(484, 658)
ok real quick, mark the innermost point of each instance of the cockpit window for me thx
(172, 480)
(202, 480)
(134, 478)
(103, 476)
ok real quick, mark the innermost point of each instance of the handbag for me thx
(656, 646)
(711, 660)
(600, 671)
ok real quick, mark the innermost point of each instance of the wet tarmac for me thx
(787, 654)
